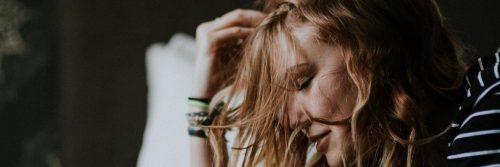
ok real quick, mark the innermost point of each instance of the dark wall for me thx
(28, 91)
(86, 61)
(476, 22)
(103, 89)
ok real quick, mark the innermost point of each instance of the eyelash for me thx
(304, 84)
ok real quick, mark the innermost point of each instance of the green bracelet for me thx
(199, 102)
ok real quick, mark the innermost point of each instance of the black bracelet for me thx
(197, 132)
(204, 100)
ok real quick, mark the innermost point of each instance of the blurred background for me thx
(73, 89)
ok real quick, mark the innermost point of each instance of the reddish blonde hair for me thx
(404, 65)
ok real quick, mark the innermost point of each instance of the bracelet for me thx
(197, 132)
(205, 100)
(198, 118)
(199, 102)
(203, 118)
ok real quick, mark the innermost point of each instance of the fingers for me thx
(237, 24)
(239, 17)
(235, 18)
(229, 34)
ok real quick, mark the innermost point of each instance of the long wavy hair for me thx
(402, 61)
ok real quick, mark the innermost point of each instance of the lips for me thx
(321, 141)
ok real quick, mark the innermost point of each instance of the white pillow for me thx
(169, 71)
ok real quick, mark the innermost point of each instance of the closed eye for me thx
(301, 75)
(305, 83)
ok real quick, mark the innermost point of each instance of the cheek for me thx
(335, 96)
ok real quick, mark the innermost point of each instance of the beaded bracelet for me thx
(203, 118)
(198, 118)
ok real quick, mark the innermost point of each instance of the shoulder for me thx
(475, 133)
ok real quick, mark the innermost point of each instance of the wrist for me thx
(203, 85)
(203, 89)
(199, 117)
(202, 93)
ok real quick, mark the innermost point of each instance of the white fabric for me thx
(169, 70)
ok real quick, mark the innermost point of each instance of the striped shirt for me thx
(475, 133)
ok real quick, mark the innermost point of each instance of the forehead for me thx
(299, 45)
(303, 45)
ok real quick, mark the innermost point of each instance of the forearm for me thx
(200, 152)
(208, 69)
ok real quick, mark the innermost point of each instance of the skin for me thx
(210, 36)
(326, 93)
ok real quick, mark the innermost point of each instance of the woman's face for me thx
(322, 92)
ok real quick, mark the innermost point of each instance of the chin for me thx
(338, 157)
(333, 158)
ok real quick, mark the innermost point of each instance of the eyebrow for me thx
(298, 68)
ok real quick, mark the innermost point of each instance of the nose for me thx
(298, 114)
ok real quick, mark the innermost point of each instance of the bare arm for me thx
(210, 36)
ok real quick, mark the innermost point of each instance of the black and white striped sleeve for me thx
(478, 140)
(475, 138)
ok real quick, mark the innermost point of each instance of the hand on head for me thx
(211, 36)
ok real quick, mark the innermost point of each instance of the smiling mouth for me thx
(321, 141)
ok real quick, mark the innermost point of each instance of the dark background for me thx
(78, 97)
(102, 71)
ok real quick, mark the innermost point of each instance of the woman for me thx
(372, 83)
